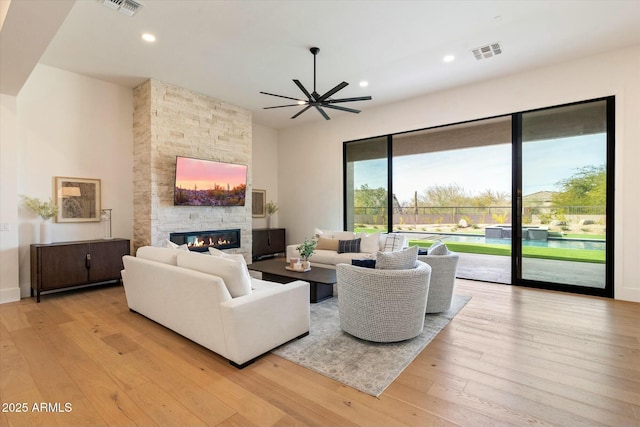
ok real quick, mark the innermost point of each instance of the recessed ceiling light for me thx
(364, 84)
(302, 102)
(148, 37)
(449, 58)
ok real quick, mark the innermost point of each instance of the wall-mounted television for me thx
(201, 182)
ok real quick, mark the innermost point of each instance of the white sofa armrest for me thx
(256, 323)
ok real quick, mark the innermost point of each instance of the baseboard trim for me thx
(9, 295)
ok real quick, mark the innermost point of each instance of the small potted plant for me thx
(307, 249)
(46, 211)
(270, 209)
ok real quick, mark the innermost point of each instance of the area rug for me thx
(363, 365)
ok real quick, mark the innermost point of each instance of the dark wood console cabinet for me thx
(267, 242)
(63, 265)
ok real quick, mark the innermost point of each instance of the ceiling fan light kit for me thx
(314, 99)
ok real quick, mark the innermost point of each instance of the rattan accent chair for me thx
(383, 305)
(443, 279)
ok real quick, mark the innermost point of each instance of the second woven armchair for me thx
(383, 305)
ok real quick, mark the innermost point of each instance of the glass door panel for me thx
(453, 184)
(366, 185)
(563, 233)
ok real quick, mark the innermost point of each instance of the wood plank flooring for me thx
(512, 356)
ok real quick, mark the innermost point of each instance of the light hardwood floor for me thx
(512, 356)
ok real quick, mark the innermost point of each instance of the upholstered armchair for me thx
(443, 278)
(383, 305)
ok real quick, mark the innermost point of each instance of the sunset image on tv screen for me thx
(209, 183)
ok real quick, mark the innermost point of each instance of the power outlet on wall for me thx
(5, 226)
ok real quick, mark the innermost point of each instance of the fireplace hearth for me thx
(201, 241)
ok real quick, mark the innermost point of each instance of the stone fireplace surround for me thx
(170, 121)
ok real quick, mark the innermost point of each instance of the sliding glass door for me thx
(525, 198)
(563, 194)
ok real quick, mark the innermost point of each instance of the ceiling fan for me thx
(316, 100)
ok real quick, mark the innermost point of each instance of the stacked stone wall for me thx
(170, 121)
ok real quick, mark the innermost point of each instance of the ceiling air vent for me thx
(127, 7)
(487, 51)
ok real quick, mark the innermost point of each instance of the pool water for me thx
(593, 245)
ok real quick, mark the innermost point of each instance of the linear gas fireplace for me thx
(201, 241)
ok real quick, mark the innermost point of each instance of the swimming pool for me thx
(593, 245)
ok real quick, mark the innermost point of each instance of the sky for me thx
(545, 164)
(205, 174)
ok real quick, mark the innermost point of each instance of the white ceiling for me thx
(232, 50)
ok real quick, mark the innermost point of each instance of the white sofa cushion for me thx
(163, 255)
(232, 272)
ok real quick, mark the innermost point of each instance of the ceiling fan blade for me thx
(285, 97)
(301, 111)
(280, 106)
(359, 98)
(322, 112)
(334, 90)
(302, 88)
(336, 107)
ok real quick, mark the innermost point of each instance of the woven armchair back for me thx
(383, 305)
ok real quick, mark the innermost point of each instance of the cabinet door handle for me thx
(88, 261)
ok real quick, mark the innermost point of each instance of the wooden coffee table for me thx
(320, 279)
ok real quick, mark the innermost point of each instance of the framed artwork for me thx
(78, 199)
(258, 202)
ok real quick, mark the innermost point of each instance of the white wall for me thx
(74, 126)
(265, 169)
(9, 289)
(315, 151)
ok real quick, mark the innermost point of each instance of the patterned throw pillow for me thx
(399, 260)
(349, 246)
(394, 242)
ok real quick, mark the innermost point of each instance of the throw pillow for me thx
(236, 257)
(394, 242)
(366, 263)
(232, 272)
(398, 260)
(320, 233)
(438, 248)
(370, 242)
(327, 244)
(349, 246)
(153, 253)
(170, 245)
(343, 235)
(215, 252)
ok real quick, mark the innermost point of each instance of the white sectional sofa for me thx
(214, 302)
(328, 253)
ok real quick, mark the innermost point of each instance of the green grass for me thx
(577, 255)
